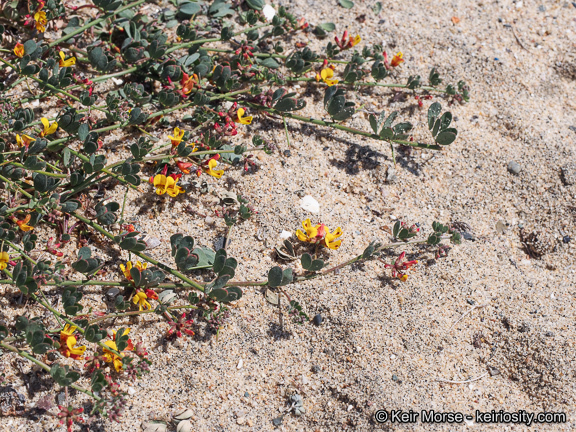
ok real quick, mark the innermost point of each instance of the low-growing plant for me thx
(207, 70)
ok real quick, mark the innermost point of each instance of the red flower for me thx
(399, 266)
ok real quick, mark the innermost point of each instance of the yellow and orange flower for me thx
(167, 184)
(311, 234)
(326, 76)
(68, 343)
(23, 224)
(66, 63)
(140, 300)
(240, 117)
(48, 128)
(330, 239)
(355, 41)
(397, 59)
(24, 141)
(41, 21)
(19, 50)
(4, 259)
(211, 164)
(129, 265)
(112, 357)
(177, 138)
(188, 83)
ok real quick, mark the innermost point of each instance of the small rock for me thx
(246, 394)
(184, 426)
(394, 377)
(549, 334)
(285, 234)
(240, 364)
(467, 236)
(514, 168)
(524, 328)
(219, 243)
(112, 293)
(131, 391)
(493, 371)
(391, 175)
(310, 204)
(61, 398)
(287, 153)
(316, 369)
(209, 220)
(277, 421)
(183, 414)
(566, 239)
(250, 423)
(568, 174)
(317, 320)
(240, 421)
(501, 227)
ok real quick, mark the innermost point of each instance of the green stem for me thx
(45, 367)
(22, 191)
(338, 126)
(140, 254)
(95, 22)
(131, 313)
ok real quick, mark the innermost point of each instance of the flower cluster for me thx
(347, 41)
(319, 234)
(400, 266)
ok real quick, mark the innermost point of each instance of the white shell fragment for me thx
(153, 427)
(269, 12)
(310, 204)
(184, 414)
(285, 234)
(184, 426)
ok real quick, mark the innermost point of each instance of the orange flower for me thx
(19, 50)
(23, 224)
(188, 82)
(68, 343)
(126, 269)
(177, 138)
(397, 59)
(355, 41)
(184, 166)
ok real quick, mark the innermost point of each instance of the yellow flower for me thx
(355, 41)
(114, 358)
(23, 224)
(65, 63)
(4, 258)
(177, 138)
(330, 239)
(397, 59)
(19, 50)
(210, 168)
(312, 234)
(48, 129)
(41, 21)
(326, 75)
(126, 269)
(240, 117)
(167, 184)
(24, 141)
(68, 343)
(140, 300)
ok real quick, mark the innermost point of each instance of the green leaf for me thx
(373, 123)
(377, 8)
(275, 277)
(433, 113)
(447, 137)
(188, 8)
(270, 63)
(329, 27)
(346, 4)
(255, 4)
(306, 261)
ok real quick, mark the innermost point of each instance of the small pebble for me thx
(493, 371)
(112, 293)
(566, 239)
(514, 168)
(568, 174)
(246, 394)
(549, 334)
(317, 320)
(309, 204)
(277, 421)
(287, 153)
(394, 377)
(316, 369)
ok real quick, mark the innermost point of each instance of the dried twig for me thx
(466, 313)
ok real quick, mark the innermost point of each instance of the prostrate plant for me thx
(205, 70)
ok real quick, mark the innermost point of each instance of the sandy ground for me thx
(384, 344)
